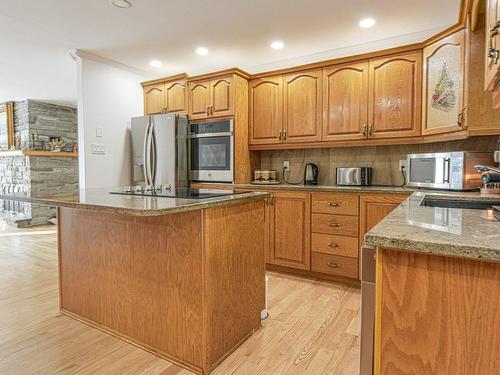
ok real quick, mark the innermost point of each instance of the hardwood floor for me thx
(313, 326)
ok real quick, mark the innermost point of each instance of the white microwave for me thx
(446, 170)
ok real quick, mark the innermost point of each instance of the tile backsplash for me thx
(383, 159)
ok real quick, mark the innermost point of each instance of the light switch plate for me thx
(98, 132)
(96, 149)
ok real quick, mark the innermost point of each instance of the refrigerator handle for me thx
(147, 150)
(153, 156)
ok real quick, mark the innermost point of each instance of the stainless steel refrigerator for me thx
(159, 150)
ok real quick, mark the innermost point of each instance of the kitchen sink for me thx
(451, 203)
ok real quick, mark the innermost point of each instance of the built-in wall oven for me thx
(211, 151)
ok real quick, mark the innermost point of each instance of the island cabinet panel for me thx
(345, 102)
(154, 99)
(175, 96)
(374, 208)
(235, 269)
(290, 224)
(443, 108)
(266, 110)
(140, 277)
(395, 96)
(199, 100)
(302, 107)
(436, 315)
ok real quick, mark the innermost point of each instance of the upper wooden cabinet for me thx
(492, 60)
(266, 110)
(290, 230)
(211, 98)
(302, 107)
(154, 99)
(394, 96)
(164, 97)
(345, 98)
(443, 92)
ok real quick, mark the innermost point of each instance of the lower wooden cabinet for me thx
(289, 230)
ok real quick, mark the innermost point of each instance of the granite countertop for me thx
(465, 233)
(102, 200)
(356, 189)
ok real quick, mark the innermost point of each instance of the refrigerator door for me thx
(182, 154)
(140, 128)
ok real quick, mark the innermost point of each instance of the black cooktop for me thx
(186, 193)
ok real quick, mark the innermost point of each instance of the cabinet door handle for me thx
(363, 129)
(281, 135)
(211, 109)
(334, 204)
(208, 109)
(331, 244)
(333, 264)
(370, 130)
(334, 225)
(284, 135)
(461, 118)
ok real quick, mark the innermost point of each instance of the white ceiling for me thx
(37, 35)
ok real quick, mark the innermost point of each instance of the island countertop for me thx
(102, 200)
(464, 233)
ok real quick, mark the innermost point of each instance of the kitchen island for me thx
(437, 286)
(182, 278)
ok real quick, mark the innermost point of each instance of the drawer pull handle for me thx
(331, 244)
(333, 265)
(333, 204)
(334, 225)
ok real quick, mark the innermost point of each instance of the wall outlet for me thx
(402, 165)
(96, 149)
(286, 165)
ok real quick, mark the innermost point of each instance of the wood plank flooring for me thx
(313, 326)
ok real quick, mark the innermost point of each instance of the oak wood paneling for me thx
(154, 98)
(302, 106)
(437, 315)
(175, 94)
(221, 96)
(336, 203)
(290, 227)
(335, 224)
(266, 110)
(345, 101)
(394, 96)
(198, 99)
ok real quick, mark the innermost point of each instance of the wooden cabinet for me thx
(266, 110)
(302, 110)
(164, 97)
(492, 60)
(154, 99)
(443, 108)
(373, 208)
(211, 98)
(345, 98)
(289, 230)
(394, 96)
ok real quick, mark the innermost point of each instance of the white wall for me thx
(108, 97)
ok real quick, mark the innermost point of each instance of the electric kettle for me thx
(311, 172)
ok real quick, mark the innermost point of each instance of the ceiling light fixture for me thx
(122, 4)
(277, 44)
(202, 51)
(155, 63)
(366, 23)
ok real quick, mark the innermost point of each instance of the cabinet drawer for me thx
(335, 224)
(333, 203)
(334, 245)
(334, 265)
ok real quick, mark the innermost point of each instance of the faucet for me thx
(485, 168)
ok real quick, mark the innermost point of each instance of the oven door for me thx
(429, 170)
(211, 158)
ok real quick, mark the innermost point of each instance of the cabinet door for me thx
(175, 94)
(154, 99)
(394, 96)
(290, 244)
(492, 60)
(266, 106)
(302, 107)
(345, 98)
(221, 97)
(373, 208)
(199, 99)
(443, 85)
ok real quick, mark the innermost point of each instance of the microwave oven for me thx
(446, 170)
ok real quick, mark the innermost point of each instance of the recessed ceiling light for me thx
(155, 63)
(277, 44)
(366, 23)
(121, 3)
(202, 51)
